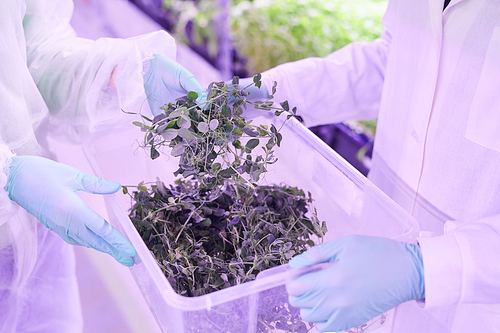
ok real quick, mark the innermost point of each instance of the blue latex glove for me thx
(371, 275)
(166, 81)
(46, 189)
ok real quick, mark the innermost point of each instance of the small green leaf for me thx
(216, 166)
(172, 124)
(214, 123)
(226, 173)
(203, 127)
(237, 144)
(228, 127)
(256, 175)
(176, 113)
(273, 129)
(183, 121)
(237, 110)
(279, 137)
(170, 134)
(324, 227)
(261, 131)
(154, 153)
(166, 107)
(289, 255)
(270, 144)
(125, 190)
(192, 95)
(141, 187)
(237, 131)
(250, 132)
(206, 222)
(285, 106)
(161, 128)
(178, 149)
(226, 111)
(252, 143)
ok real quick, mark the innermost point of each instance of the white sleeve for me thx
(73, 74)
(7, 208)
(462, 265)
(345, 85)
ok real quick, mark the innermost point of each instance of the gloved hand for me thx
(166, 80)
(46, 189)
(370, 276)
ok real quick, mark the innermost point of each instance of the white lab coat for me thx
(50, 80)
(433, 81)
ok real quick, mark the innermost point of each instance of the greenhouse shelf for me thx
(343, 197)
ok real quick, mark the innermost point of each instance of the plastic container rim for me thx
(206, 302)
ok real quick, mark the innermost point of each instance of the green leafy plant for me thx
(213, 140)
(216, 227)
(270, 33)
(207, 245)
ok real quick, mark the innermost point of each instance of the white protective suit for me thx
(433, 81)
(50, 80)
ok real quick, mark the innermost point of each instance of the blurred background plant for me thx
(269, 33)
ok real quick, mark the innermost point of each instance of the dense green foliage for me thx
(270, 33)
(213, 139)
(206, 245)
(216, 227)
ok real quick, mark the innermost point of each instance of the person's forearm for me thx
(344, 85)
(83, 82)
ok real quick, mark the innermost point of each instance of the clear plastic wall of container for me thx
(344, 198)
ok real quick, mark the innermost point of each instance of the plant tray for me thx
(344, 198)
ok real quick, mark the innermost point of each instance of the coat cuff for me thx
(130, 71)
(443, 270)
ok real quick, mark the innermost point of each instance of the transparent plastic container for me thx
(345, 199)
